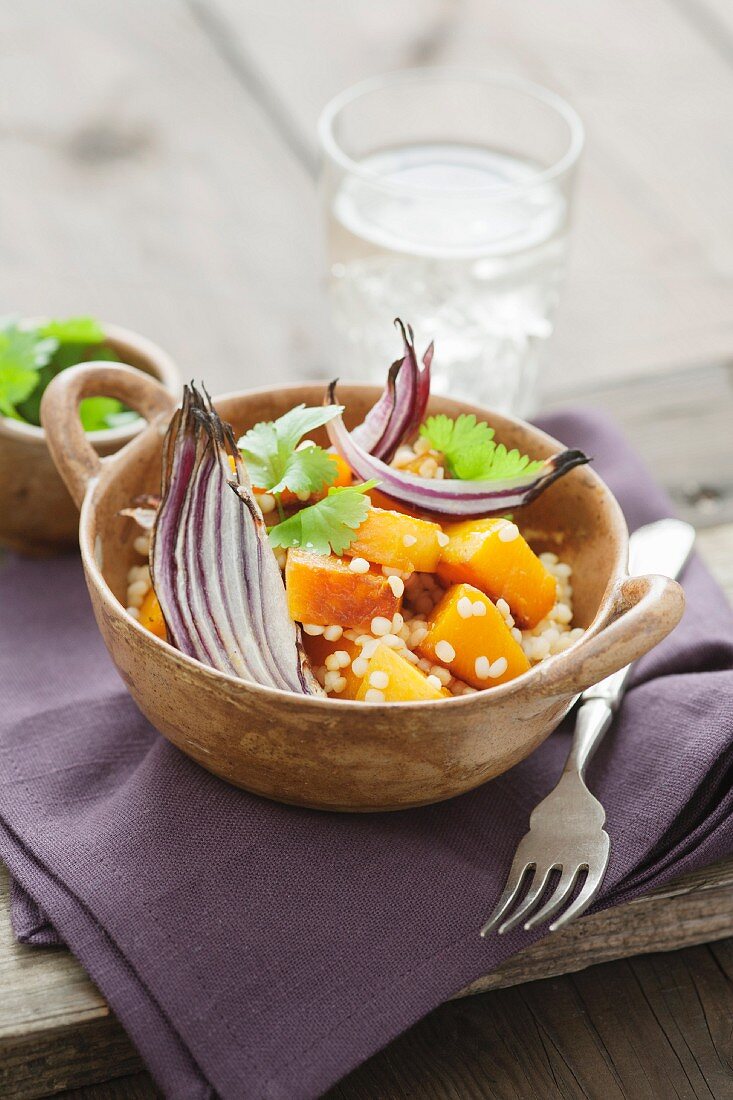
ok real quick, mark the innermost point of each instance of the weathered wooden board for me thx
(143, 183)
(651, 274)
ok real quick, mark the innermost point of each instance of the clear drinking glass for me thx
(447, 203)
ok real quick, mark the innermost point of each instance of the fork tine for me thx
(556, 900)
(591, 886)
(535, 893)
(511, 890)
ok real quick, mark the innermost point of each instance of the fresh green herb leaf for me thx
(95, 413)
(269, 452)
(307, 471)
(327, 526)
(66, 355)
(74, 330)
(21, 356)
(470, 451)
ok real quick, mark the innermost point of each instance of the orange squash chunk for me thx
(322, 589)
(318, 648)
(398, 540)
(480, 553)
(396, 679)
(151, 617)
(476, 646)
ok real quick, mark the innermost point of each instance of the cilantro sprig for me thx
(273, 460)
(470, 450)
(31, 355)
(327, 526)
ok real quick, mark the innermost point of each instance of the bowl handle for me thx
(644, 611)
(70, 446)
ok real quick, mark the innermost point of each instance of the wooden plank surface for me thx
(650, 284)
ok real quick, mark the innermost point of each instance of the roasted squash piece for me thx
(470, 638)
(398, 540)
(322, 589)
(319, 648)
(492, 555)
(396, 679)
(151, 617)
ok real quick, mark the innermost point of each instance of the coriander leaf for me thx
(74, 330)
(16, 383)
(470, 451)
(269, 452)
(119, 419)
(66, 355)
(327, 526)
(93, 412)
(307, 471)
(297, 422)
(21, 354)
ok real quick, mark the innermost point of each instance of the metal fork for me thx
(566, 833)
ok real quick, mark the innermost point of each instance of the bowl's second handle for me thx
(645, 610)
(70, 447)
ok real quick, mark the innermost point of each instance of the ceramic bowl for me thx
(37, 515)
(338, 754)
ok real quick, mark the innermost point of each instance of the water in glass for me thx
(465, 244)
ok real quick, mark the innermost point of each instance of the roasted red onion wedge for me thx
(400, 410)
(213, 570)
(449, 496)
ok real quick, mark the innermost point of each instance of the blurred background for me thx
(159, 163)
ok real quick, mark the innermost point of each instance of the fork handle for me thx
(592, 719)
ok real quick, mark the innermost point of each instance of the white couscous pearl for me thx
(482, 668)
(479, 608)
(434, 682)
(444, 651)
(359, 565)
(313, 629)
(508, 532)
(359, 666)
(333, 633)
(464, 607)
(267, 503)
(142, 545)
(498, 668)
(378, 679)
(373, 695)
(397, 585)
(380, 625)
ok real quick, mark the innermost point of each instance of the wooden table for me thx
(158, 165)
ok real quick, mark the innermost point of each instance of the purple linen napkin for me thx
(258, 950)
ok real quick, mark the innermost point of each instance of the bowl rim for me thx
(501, 692)
(164, 371)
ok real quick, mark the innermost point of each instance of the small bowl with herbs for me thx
(345, 598)
(37, 515)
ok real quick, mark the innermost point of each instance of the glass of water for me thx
(447, 199)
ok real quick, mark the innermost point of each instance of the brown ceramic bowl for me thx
(337, 754)
(37, 515)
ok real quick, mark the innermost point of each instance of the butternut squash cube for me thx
(396, 679)
(398, 540)
(151, 616)
(322, 589)
(491, 555)
(469, 637)
(319, 648)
